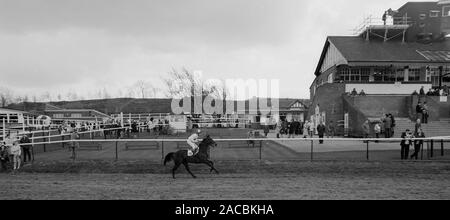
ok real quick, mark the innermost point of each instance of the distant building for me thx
(76, 115)
(389, 62)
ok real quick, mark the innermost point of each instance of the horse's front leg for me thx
(186, 165)
(211, 164)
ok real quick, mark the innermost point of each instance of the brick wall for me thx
(376, 106)
(329, 98)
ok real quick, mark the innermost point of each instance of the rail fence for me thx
(95, 147)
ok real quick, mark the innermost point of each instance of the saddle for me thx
(191, 154)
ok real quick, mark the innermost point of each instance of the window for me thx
(58, 115)
(434, 74)
(400, 75)
(422, 16)
(76, 116)
(365, 74)
(446, 11)
(379, 74)
(414, 74)
(297, 105)
(434, 14)
(355, 75)
(345, 74)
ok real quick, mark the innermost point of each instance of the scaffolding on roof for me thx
(386, 29)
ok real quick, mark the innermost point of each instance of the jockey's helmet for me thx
(199, 131)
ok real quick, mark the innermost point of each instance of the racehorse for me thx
(202, 157)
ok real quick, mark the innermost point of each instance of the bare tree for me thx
(46, 97)
(144, 89)
(106, 94)
(6, 96)
(187, 84)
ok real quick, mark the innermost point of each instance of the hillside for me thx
(115, 106)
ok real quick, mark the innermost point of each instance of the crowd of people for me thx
(444, 91)
(290, 129)
(305, 129)
(13, 148)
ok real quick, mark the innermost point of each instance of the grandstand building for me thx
(389, 62)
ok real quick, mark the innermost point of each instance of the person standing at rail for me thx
(312, 129)
(305, 129)
(377, 130)
(321, 131)
(366, 129)
(26, 147)
(291, 127)
(278, 130)
(74, 144)
(418, 143)
(331, 130)
(405, 143)
(16, 153)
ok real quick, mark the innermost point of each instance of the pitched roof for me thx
(357, 49)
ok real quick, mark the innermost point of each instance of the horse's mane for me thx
(204, 143)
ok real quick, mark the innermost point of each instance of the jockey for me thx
(192, 141)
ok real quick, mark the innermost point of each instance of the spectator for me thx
(278, 130)
(354, 92)
(415, 92)
(26, 148)
(251, 135)
(393, 125)
(377, 129)
(366, 129)
(405, 143)
(298, 128)
(312, 129)
(284, 127)
(150, 125)
(16, 153)
(4, 157)
(9, 142)
(417, 126)
(291, 127)
(430, 92)
(74, 144)
(331, 130)
(305, 129)
(362, 93)
(266, 130)
(418, 143)
(425, 113)
(419, 110)
(422, 91)
(445, 90)
(321, 131)
(387, 126)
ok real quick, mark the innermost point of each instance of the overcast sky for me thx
(87, 45)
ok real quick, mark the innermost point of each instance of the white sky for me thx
(90, 45)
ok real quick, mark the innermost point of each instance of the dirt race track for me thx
(238, 180)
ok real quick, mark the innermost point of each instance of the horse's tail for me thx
(168, 158)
